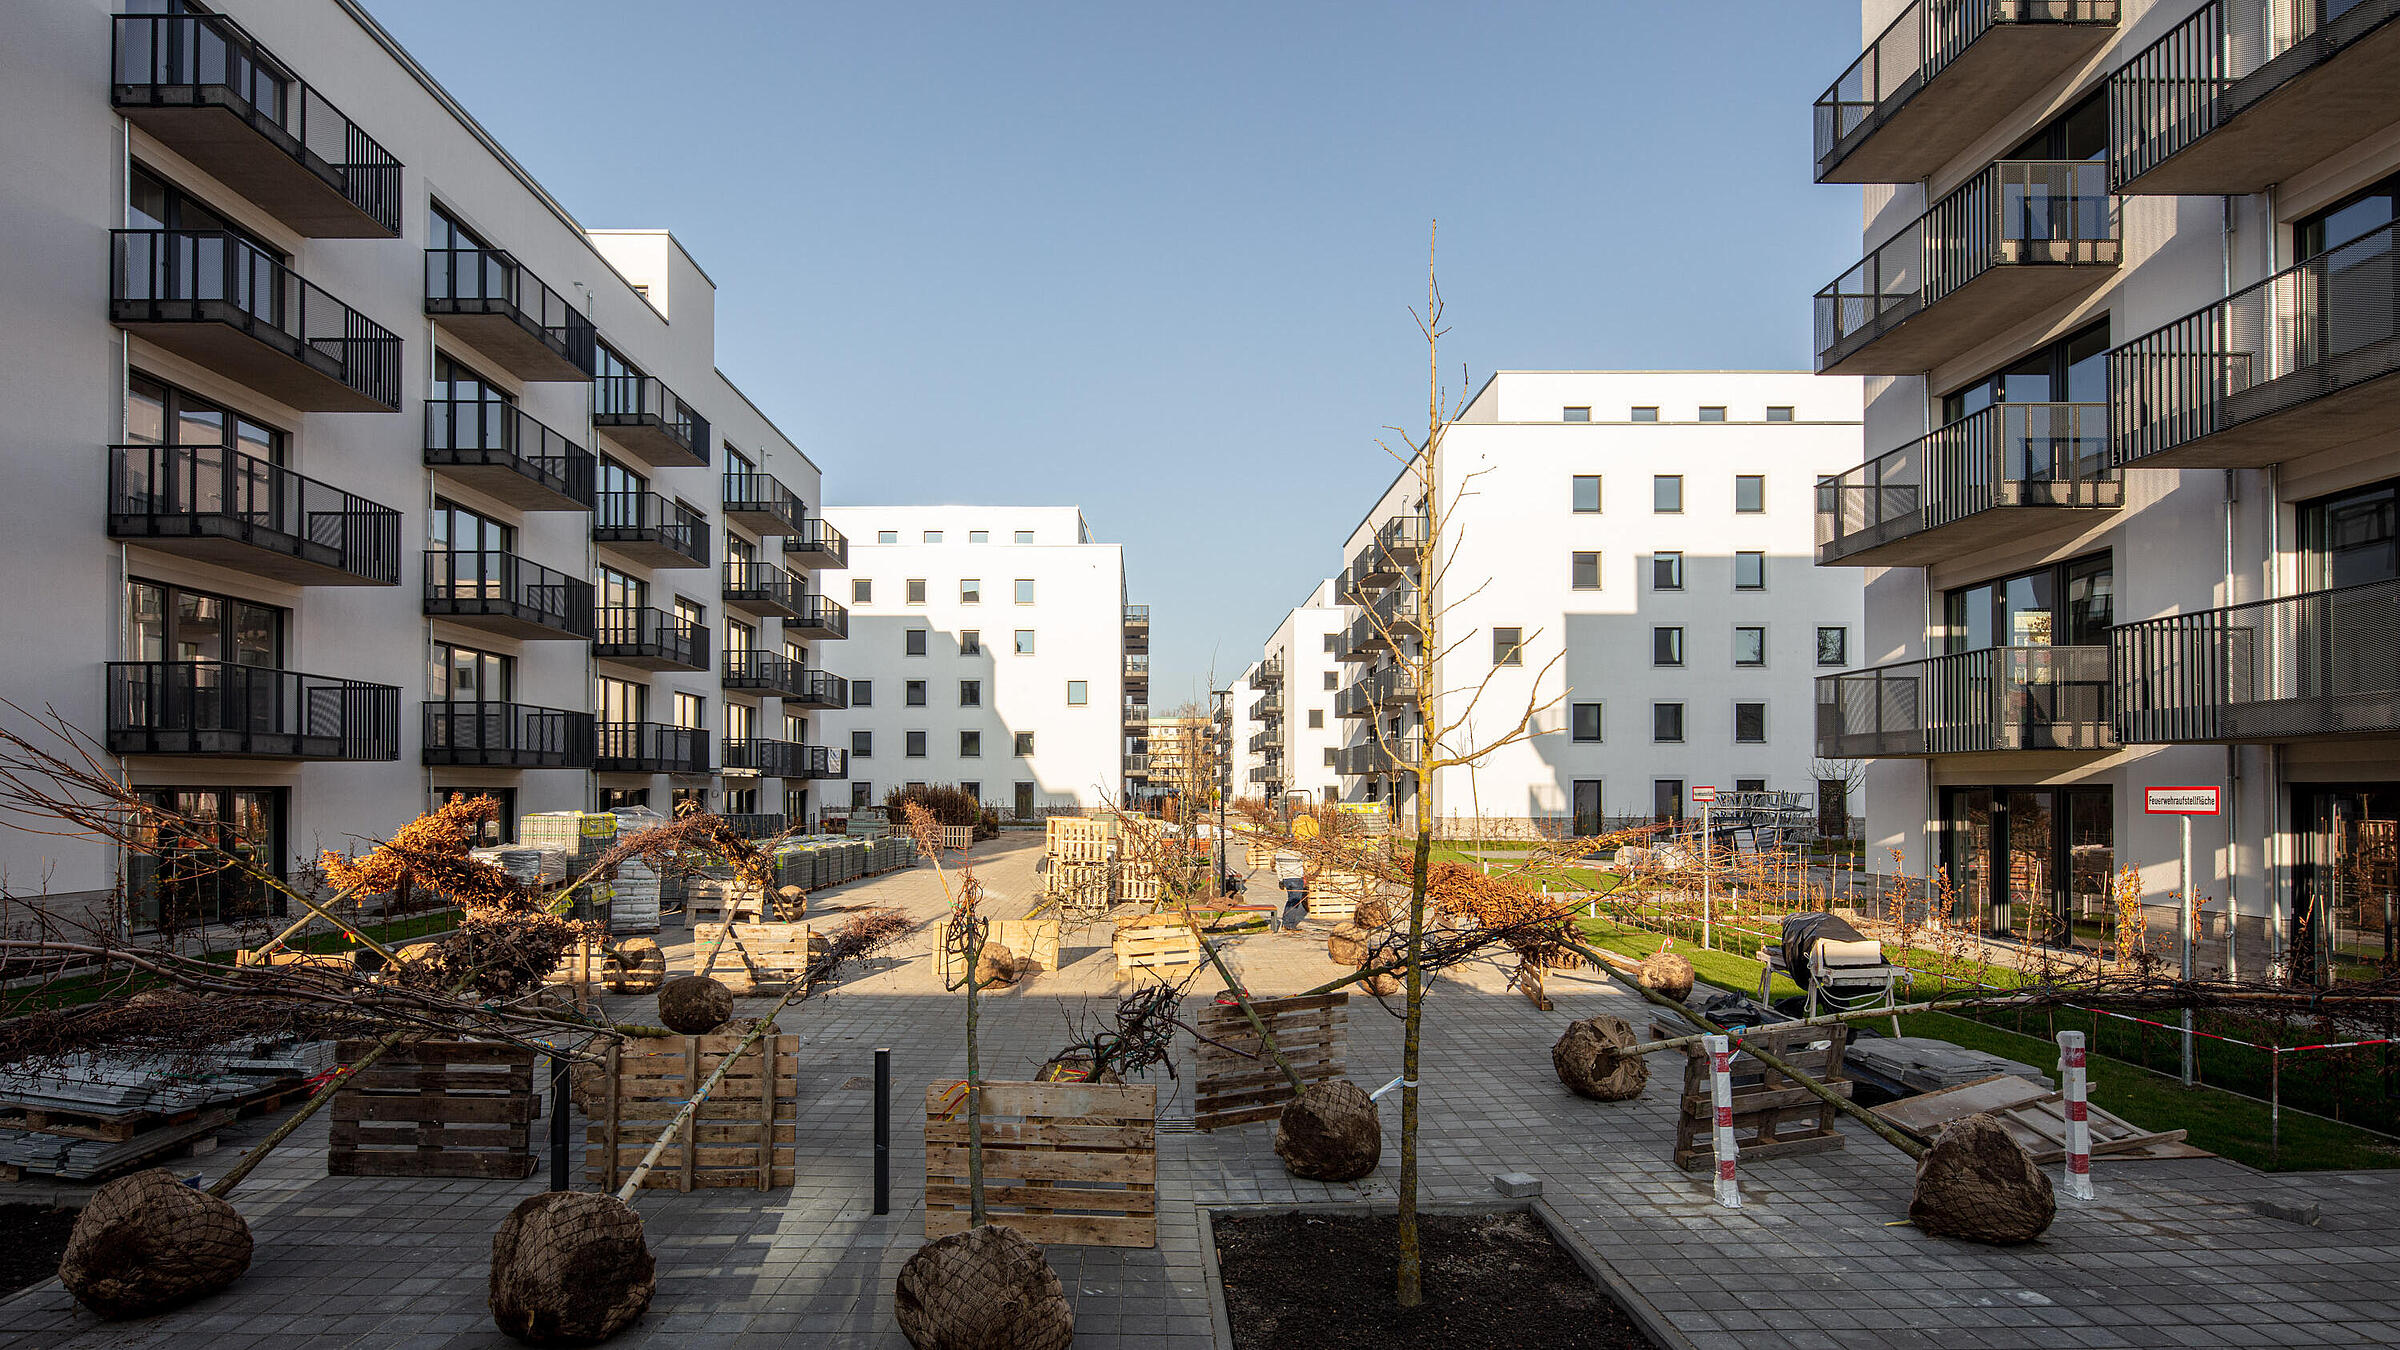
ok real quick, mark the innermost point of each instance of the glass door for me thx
(1587, 807)
(2027, 906)
(2343, 921)
(1968, 834)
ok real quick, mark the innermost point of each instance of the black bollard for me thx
(560, 1177)
(883, 1131)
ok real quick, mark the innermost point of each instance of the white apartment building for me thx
(348, 470)
(1631, 549)
(990, 648)
(2128, 515)
(1244, 733)
(1295, 686)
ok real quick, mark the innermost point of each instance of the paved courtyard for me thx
(2171, 1254)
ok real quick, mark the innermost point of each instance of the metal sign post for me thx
(2185, 803)
(1706, 797)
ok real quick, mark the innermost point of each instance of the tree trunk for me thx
(1412, 1290)
(975, 1217)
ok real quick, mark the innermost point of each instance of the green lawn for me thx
(1509, 859)
(80, 989)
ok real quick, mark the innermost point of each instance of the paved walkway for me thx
(2170, 1255)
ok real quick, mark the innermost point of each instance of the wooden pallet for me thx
(1162, 943)
(1258, 855)
(958, 838)
(1334, 895)
(1034, 940)
(435, 1109)
(753, 958)
(722, 902)
(1773, 1116)
(1238, 1083)
(1062, 1162)
(341, 960)
(745, 1134)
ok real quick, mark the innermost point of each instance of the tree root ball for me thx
(1385, 985)
(984, 1289)
(1599, 1058)
(147, 1243)
(1977, 1183)
(791, 904)
(1666, 973)
(1347, 945)
(1331, 1132)
(996, 966)
(570, 1268)
(1075, 1068)
(1373, 912)
(639, 968)
(694, 1005)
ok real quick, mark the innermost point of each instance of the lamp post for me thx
(1224, 775)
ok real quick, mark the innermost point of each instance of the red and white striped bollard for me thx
(2079, 1115)
(1720, 1094)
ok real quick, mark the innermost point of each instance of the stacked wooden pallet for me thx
(1239, 1082)
(1163, 944)
(1062, 1162)
(752, 958)
(89, 1118)
(435, 1109)
(744, 1134)
(1334, 895)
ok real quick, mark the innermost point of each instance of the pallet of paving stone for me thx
(1163, 944)
(1238, 1083)
(752, 958)
(2036, 1118)
(744, 1135)
(1062, 1162)
(74, 1159)
(1773, 1116)
(1029, 940)
(435, 1108)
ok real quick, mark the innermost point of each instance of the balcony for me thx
(748, 670)
(506, 736)
(648, 639)
(1268, 675)
(768, 759)
(654, 426)
(239, 511)
(1365, 639)
(2237, 98)
(1931, 84)
(1265, 776)
(760, 503)
(1347, 650)
(501, 451)
(754, 824)
(1267, 709)
(819, 617)
(650, 529)
(2019, 238)
(218, 300)
(1259, 743)
(818, 546)
(2004, 474)
(1137, 714)
(1391, 687)
(1137, 670)
(1137, 619)
(649, 747)
(1396, 611)
(2301, 362)
(248, 712)
(1396, 546)
(1353, 701)
(763, 589)
(1999, 698)
(2326, 663)
(206, 90)
(503, 593)
(820, 761)
(1139, 764)
(1393, 756)
(487, 297)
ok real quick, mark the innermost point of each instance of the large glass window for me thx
(2351, 537)
(177, 876)
(2031, 863)
(2073, 369)
(620, 700)
(2348, 221)
(465, 675)
(2067, 604)
(175, 623)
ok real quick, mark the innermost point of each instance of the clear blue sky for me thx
(1156, 260)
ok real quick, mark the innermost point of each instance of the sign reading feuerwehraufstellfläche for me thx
(1704, 794)
(2182, 801)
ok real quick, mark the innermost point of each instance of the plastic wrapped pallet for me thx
(634, 898)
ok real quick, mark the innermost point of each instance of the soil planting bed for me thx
(1492, 1282)
(32, 1238)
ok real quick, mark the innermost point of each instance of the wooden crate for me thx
(583, 967)
(435, 1109)
(1034, 940)
(1062, 1162)
(1334, 894)
(752, 958)
(1159, 942)
(958, 838)
(1238, 1083)
(1259, 855)
(720, 901)
(745, 1134)
(1773, 1116)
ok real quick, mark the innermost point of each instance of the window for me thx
(740, 552)
(1316, 719)
(1508, 646)
(1749, 723)
(456, 529)
(1586, 570)
(1587, 493)
(970, 591)
(1333, 679)
(1666, 798)
(691, 711)
(887, 536)
(1749, 646)
(1666, 722)
(933, 536)
(912, 693)
(2026, 610)
(2350, 538)
(1329, 752)
(1666, 646)
(862, 693)
(970, 693)
(1666, 572)
(1574, 414)
(1584, 722)
(1666, 493)
(1779, 414)
(1712, 414)
(862, 793)
(465, 675)
(1024, 590)
(915, 638)
(1024, 536)
(1331, 639)
(1024, 642)
(171, 623)
(862, 745)
(1749, 493)
(1645, 415)
(862, 591)
(916, 744)
(693, 614)
(616, 700)
(916, 590)
(1024, 743)
(970, 745)
(1079, 692)
(979, 536)
(969, 786)
(501, 828)
(2071, 369)
(970, 642)
(1833, 646)
(613, 797)
(1749, 571)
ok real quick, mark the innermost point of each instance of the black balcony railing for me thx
(222, 301)
(1998, 698)
(2302, 361)
(655, 529)
(506, 593)
(1390, 755)
(1975, 474)
(506, 736)
(2325, 663)
(1900, 72)
(1267, 709)
(649, 747)
(766, 758)
(228, 507)
(1390, 686)
(2051, 217)
(1365, 638)
(186, 78)
(817, 545)
(1353, 701)
(212, 708)
(762, 588)
(500, 449)
(760, 501)
(754, 824)
(1387, 555)
(644, 415)
(509, 314)
(1259, 742)
(774, 673)
(648, 638)
(819, 617)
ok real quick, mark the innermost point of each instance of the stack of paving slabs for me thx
(633, 900)
(97, 1116)
(1923, 1064)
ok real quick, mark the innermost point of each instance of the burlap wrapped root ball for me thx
(1373, 912)
(1977, 1183)
(1330, 1132)
(996, 966)
(147, 1243)
(694, 1005)
(570, 1268)
(1666, 973)
(1599, 1058)
(638, 967)
(1350, 945)
(984, 1289)
(791, 904)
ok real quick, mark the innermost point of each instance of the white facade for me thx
(1309, 733)
(1595, 577)
(1246, 735)
(1020, 604)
